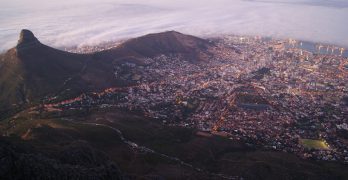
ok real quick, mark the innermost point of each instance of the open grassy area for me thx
(314, 144)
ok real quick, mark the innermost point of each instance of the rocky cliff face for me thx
(27, 39)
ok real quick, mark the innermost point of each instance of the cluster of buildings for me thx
(261, 91)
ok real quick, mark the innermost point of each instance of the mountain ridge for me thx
(31, 70)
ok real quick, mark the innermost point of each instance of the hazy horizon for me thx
(87, 22)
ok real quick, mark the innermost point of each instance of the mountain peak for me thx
(168, 42)
(26, 38)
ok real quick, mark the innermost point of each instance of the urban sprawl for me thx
(268, 93)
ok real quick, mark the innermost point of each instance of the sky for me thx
(60, 23)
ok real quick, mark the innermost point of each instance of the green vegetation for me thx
(315, 144)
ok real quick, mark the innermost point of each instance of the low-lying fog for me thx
(86, 22)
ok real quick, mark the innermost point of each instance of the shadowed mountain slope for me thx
(194, 49)
(31, 70)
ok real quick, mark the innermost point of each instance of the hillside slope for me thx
(31, 70)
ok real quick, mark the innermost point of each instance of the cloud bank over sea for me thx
(89, 22)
